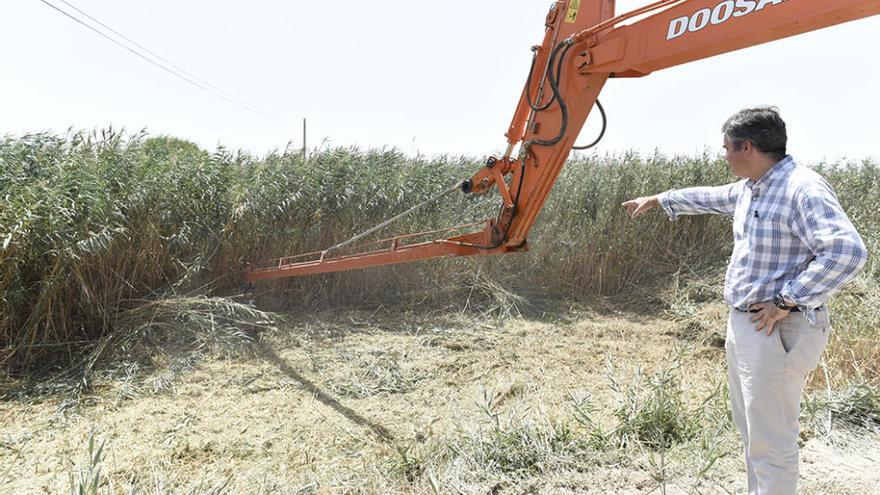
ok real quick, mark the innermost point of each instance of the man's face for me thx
(736, 156)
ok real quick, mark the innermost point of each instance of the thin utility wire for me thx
(193, 80)
(155, 55)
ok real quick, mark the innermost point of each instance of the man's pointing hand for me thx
(636, 207)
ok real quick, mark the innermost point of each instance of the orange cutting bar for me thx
(467, 245)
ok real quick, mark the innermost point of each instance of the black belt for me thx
(792, 310)
(795, 309)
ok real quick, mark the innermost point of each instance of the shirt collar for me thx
(776, 170)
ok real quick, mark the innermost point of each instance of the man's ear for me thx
(747, 146)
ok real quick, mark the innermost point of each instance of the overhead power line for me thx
(161, 62)
(168, 62)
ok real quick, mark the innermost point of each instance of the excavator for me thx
(584, 45)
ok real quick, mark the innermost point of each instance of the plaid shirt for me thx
(791, 237)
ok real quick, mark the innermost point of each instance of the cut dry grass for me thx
(164, 338)
(499, 408)
(371, 373)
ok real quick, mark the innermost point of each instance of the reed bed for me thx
(94, 226)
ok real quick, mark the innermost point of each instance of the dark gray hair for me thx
(762, 126)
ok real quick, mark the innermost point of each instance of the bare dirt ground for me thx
(387, 403)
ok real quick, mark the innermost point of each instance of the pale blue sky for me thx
(424, 76)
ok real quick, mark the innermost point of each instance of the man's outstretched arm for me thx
(719, 200)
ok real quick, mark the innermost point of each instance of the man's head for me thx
(755, 139)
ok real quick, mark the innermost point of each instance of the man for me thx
(793, 248)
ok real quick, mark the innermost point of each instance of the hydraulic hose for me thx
(601, 133)
(564, 47)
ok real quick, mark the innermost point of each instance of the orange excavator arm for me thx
(584, 45)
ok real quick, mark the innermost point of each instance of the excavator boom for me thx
(584, 45)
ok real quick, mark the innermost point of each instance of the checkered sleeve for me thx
(821, 224)
(701, 200)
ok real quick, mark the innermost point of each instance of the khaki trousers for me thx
(766, 376)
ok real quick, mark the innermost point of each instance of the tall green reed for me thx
(94, 224)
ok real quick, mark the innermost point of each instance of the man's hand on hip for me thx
(636, 207)
(767, 315)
